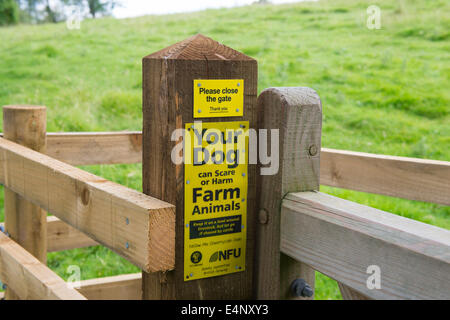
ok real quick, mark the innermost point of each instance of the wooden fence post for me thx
(168, 80)
(297, 113)
(25, 222)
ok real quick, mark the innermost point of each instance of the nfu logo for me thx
(225, 255)
(196, 257)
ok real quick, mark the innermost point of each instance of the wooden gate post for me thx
(25, 222)
(297, 113)
(168, 79)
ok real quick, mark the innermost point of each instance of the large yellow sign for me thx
(218, 98)
(215, 198)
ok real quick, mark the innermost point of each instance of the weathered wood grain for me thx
(28, 278)
(89, 148)
(350, 294)
(297, 114)
(122, 287)
(61, 236)
(25, 222)
(138, 227)
(409, 178)
(342, 239)
(167, 105)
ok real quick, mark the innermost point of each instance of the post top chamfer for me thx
(23, 107)
(199, 47)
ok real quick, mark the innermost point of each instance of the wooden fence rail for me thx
(403, 177)
(88, 148)
(61, 236)
(342, 239)
(409, 178)
(121, 287)
(137, 227)
(28, 277)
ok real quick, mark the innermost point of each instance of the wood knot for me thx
(313, 150)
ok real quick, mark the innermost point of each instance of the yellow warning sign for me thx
(215, 198)
(218, 98)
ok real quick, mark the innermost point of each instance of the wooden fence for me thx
(297, 229)
(402, 177)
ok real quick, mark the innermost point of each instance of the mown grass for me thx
(383, 91)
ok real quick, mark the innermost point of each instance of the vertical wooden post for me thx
(25, 222)
(168, 77)
(297, 113)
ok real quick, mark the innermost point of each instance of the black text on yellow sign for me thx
(218, 98)
(215, 193)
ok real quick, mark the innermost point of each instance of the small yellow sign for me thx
(218, 98)
(215, 198)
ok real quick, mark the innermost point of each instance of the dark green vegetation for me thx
(383, 91)
(45, 11)
(9, 12)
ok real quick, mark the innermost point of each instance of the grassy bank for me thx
(383, 91)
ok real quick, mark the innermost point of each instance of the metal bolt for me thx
(243, 200)
(199, 111)
(300, 288)
(187, 182)
(199, 84)
(187, 225)
(237, 110)
(263, 216)
(239, 84)
(243, 174)
(313, 150)
(2, 229)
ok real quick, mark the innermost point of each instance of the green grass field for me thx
(383, 91)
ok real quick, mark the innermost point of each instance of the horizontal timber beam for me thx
(122, 287)
(408, 178)
(137, 227)
(28, 277)
(61, 236)
(89, 148)
(342, 239)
